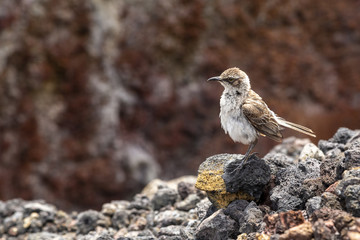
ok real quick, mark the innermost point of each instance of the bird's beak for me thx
(215, 79)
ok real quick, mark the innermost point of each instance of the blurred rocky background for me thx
(98, 97)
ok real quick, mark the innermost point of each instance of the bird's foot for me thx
(239, 163)
(253, 154)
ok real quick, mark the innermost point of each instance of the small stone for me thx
(120, 219)
(163, 197)
(111, 208)
(188, 203)
(252, 219)
(342, 135)
(301, 232)
(354, 231)
(45, 236)
(352, 156)
(138, 235)
(28, 221)
(170, 217)
(236, 209)
(172, 230)
(217, 226)
(325, 230)
(310, 150)
(355, 172)
(291, 147)
(138, 223)
(330, 200)
(188, 229)
(352, 199)
(346, 223)
(311, 187)
(326, 146)
(343, 184)
(277, 161)
(39, 206)
(203, 207)
(13, 231)
(279, 222)
(15, 220)
(140, 202)
(288, 193)
(313, 204)
(331, 167)
(88, 220)
(332, 187)
(185, 189)
(339, 140)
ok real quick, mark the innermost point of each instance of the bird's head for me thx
(233, 78)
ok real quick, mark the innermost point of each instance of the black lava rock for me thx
(289, 192)
(331, 167)
(163, 197)
(252, 219)
(339, 140)
(251, 177)
(88, 220)
(352, 155)
(277, 161)
(217, 226)
(236, 208)
(313, 204)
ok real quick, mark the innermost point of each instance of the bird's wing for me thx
(259, 115)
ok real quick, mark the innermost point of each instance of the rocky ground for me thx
(115, 91)
(313, 193)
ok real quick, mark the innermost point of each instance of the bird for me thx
(245, 116)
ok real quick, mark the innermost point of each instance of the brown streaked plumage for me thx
(245, 116)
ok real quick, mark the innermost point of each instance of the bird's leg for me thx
(247, 154)
(233, 167)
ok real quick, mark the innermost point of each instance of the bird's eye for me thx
(231, 79)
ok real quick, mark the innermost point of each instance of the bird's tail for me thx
(295, 127)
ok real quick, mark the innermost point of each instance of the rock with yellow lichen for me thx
(224, 186)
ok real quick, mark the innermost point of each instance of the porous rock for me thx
(349, 191)
(278, 223)
(352, 155)
(330, 200)
(291, 147)
(250, 178)
(352, 199)
(163, 197)
(88, 220)
(251, 220)
(339, 140)
(217, 226)
(331, 167)
(342, 224)
(188, 203)
(313, 204)
(301, 232)
(170, 217)
(325, 230)
(277, 161)
(210, 180)
(287, 194)
(140, 201)
(310, 150)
